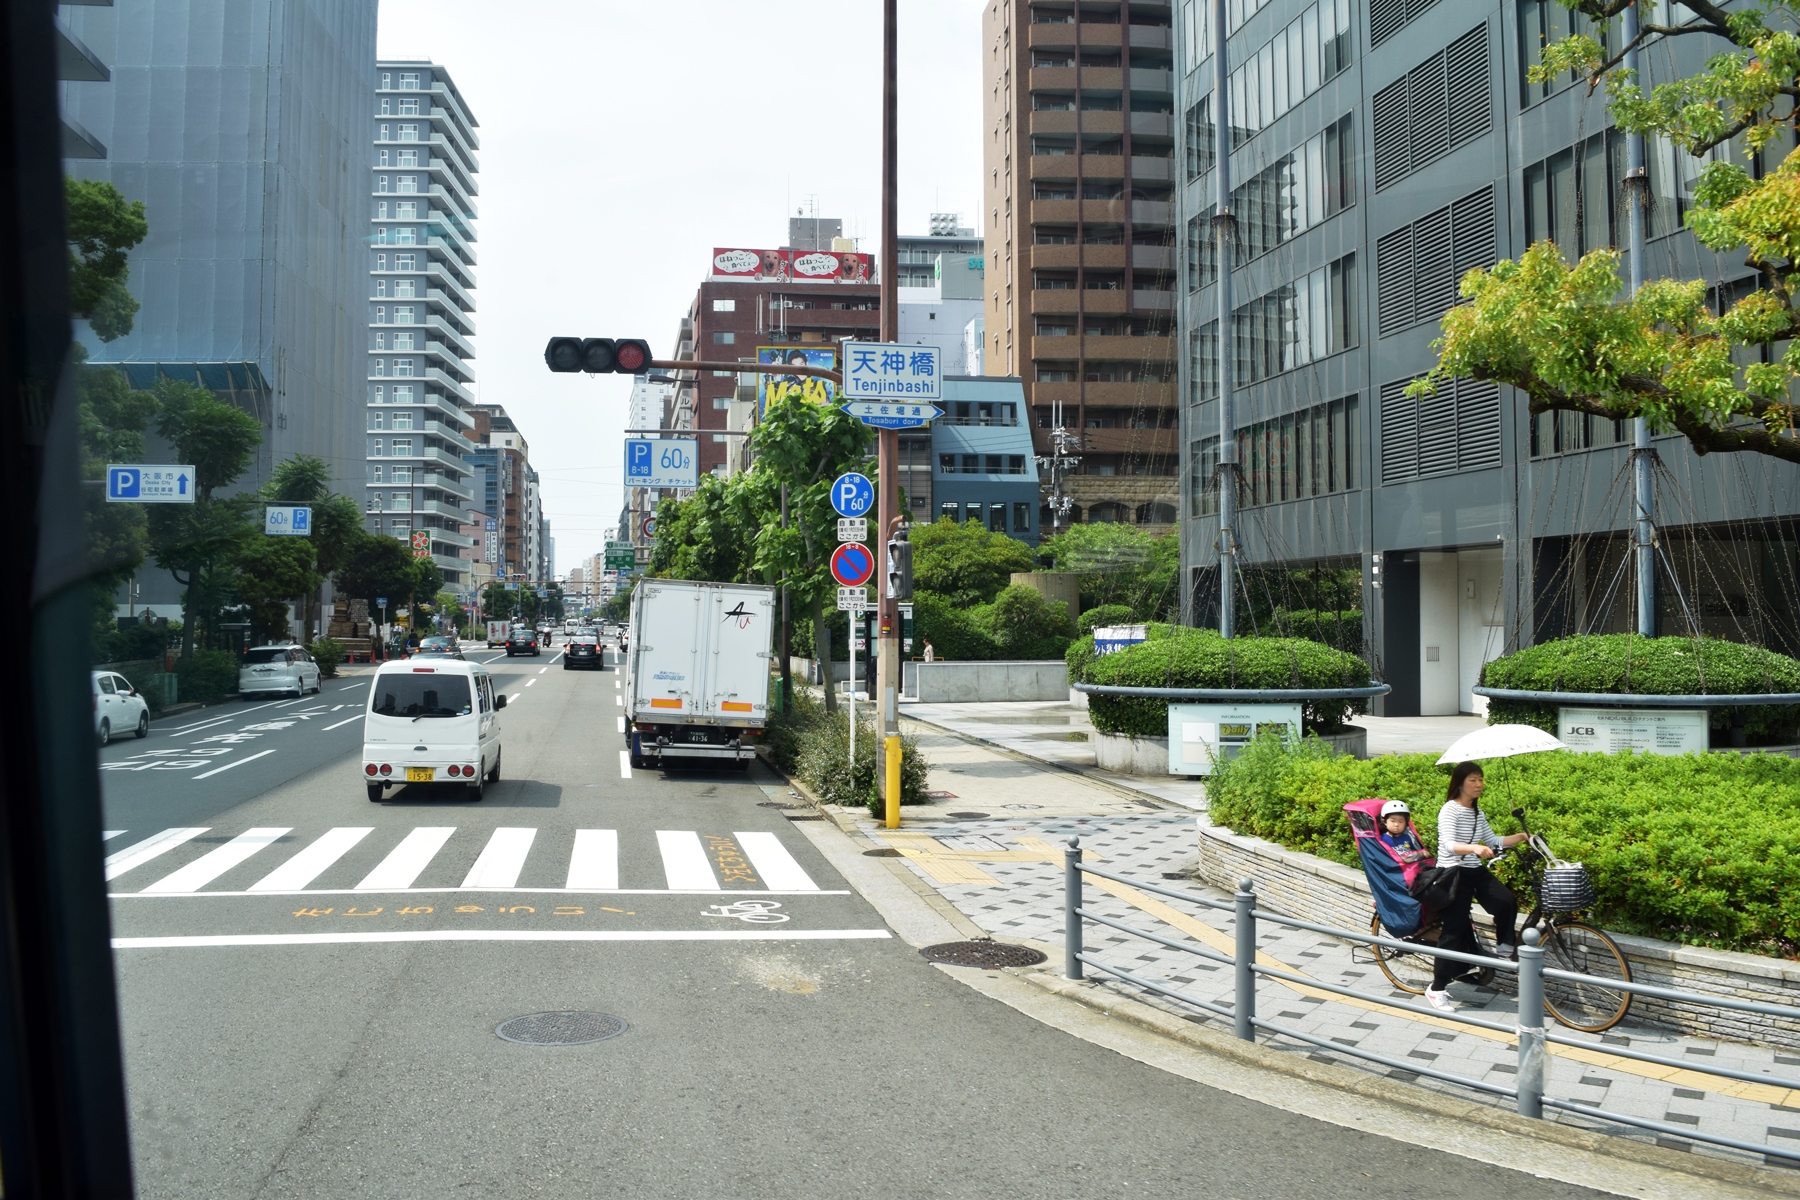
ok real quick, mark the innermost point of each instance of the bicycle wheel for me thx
(1588, 1006)
(1406, 970)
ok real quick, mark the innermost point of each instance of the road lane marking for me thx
(240, 762)
(295, 700)
(502, 859)
(183, 732)
(335, 707)
(351, 684)
(529, 682)
(594, 863)
(341, 724)
(310, 863)
(210, 866)
(135, 856)
(512, 891)
(777, 868)
(502, 935)
(621, 724)
(408, 860)
(619, 701)
(107, 835)
(685, 864)
(541, 670)
(624, 763)
(559, 654)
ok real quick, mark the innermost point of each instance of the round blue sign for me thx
(852, 495)
(852, 563)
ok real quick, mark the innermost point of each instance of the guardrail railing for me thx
(1529, 1030)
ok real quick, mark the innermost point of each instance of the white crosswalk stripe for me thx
(310, 863)
(210, 866)
(502, 859)
(595, 860)
(684, 861)
(779, 870)
(136, 856)
(406, 861)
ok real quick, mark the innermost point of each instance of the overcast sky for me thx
(621, 142)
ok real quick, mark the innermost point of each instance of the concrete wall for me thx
(978, 682)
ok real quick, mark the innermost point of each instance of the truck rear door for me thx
(667, 644)
(740, 624)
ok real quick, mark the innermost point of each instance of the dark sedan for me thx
(583, 650)
(439, 647)
(522, 641)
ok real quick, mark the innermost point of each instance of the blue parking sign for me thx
(852, 495)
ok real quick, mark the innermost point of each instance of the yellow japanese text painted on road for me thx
(733, 866)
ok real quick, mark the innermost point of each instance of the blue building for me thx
(983, 468)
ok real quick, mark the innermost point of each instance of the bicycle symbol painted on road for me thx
(755, 912)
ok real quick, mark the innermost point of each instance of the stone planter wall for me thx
(1150, 755)
(1313, 889)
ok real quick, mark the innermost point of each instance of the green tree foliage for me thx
(102, 227)
(1569, 338)
(1120, 564)
(376, 567)
(499, 604)
(271, 571)
(1026, 625)
(965, 563)
(112, 419)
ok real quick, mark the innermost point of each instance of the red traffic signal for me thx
(598, 356)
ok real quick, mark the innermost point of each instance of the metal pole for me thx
(1244, 1006)
(891, 744)
(855, 615)
(1071, 902)
(1222, 236)
(1530, 1081)
(887, 662)
(1636, 195)
(787, 626)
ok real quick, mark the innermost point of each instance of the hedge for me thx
(1199, 658)
(1670, 666)
(1019, 624)
(1105, 615)
(1701, 848)
(813, 746)
(207, 676)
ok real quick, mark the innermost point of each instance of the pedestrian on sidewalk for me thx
(930, 651)
(1466, 842)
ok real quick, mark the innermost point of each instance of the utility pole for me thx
(1222, 232)
(1642, 456)
(887, 663)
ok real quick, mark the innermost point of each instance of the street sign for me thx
(852, 599)
(852, 564)
(287, 521)
(381, 602)
(149, 483)
(892, 371)
(852, 495)
(650, 529)
(885, 414)
(421, 543)
(853, 529)
(662, 462)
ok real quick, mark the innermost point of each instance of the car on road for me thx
(439, 647)
(583, 650)
(118, 707)
(436, 723)
(522, 641)
(277, 670)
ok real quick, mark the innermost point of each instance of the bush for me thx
(207, 676)
(964, 561)
(1106, 614)
(1081, 656)
(813, 746)
(1341, 630)
(1026, 624)
(1702, 848)
(1200, 658)
(133, 643)
(1670, 666)
(327, 653)
(950, 628)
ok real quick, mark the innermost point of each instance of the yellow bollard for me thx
(893, 781)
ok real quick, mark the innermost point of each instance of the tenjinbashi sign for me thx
(892, 371)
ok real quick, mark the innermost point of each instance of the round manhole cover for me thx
(561, 1028)
(968, 816)
(882, 852)
(983, 954)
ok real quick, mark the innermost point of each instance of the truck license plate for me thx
(420, 774)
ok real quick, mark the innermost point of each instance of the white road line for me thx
(107, 835)
(310, 863)
(210, 866)
(351, 684)
(512, 891)
(624, 763)
(559, 654)
(621, 724)
(529, 682)
(341, 724)
(777, 868)
(594, 863)
(136, 856)
(295, 700)
(240, 762)
(500, 935)
(197, 728)
(408, 860)
(501, 859)
(619, 701)
(684, 861)
(541, 670)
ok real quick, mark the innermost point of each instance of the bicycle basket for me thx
(1566, 888)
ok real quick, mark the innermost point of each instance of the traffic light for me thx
(598, 356)
(899, 566)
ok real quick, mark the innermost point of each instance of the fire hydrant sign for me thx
(892, 371)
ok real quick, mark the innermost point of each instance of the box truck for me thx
(697, 671)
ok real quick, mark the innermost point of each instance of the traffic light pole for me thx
(887, 663)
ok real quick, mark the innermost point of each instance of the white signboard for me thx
(281, 520)
(1110, 639)
(853, 529)
(1202, 734)
(892, 371)
(662, 462)
(1648, 730)
(149, 483)
(852, 599)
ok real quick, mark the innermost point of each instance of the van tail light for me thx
(369, 769)
(386, 770)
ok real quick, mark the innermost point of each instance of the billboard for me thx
(793, 266)
(808, 388)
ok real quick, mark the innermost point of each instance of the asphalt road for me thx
(311, 985)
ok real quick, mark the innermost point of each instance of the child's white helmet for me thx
(1395, 806)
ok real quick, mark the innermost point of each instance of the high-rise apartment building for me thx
(421, 271)
(1078, 218)
(502, 456)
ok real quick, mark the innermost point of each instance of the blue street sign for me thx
(662, 462)
(852, 495)
(381, 602)
(149, 483)
(287, 521)
(885, 414)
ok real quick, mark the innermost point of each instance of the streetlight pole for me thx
(1222, 231)
(1642, 456)
(887, 663)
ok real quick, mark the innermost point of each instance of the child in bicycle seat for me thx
(1397, 833)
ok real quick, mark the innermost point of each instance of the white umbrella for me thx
(1500, 741)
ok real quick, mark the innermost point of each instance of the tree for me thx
(377, 567)
(498, 603)
(1567, 336)
(102, 228)
(112, 419)
(1119, 564)
(965, 563)
(337, 522)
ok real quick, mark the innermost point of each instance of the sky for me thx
(621, 142)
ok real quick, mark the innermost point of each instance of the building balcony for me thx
(458, 152)
(1149, 169)
(1069, 300)
(1148, 37)
(450, 487)
(455, 512)
(1068, 257)
(449, 305)
(1153, 258)
(438, 249)
(1063, 121)
(441, 456)
(463, 132)
(1095, 35)
(437, 226)
(1149, 79)
(1153, 125)
(451, 386)
(445, 355)
(1130, 441)
(461, 210)
(1103, 348)
(1103, 395)
(1100, 212)
(455, 569)
(1152, 300)
(451, 435)
(1051, 79)
(453, 337)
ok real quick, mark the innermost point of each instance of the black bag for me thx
(1434, 887)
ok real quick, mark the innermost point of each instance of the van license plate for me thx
(420, 774)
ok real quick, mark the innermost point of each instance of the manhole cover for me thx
(983, 954)
(969, 816)
(882, 852)
(561, 1028)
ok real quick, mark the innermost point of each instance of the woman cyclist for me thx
(1466, 842)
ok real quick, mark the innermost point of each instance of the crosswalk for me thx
(741, 863)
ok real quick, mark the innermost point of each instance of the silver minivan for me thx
(277, 670)
(433, 720)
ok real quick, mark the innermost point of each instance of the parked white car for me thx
(118, 707)
(277, 670)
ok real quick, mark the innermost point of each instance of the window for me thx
(1294, 324)
(1309, 52)
(378, 367)
(950, 511)
(406, 158)
(408, 183)
(403, 366)
(1434, 108)
(1196, 23)
(403, 314)
(381, 341)
(400, 527)
(409, 107)
(1542, 22)
(381, 286)
(1314, 452)
(375, 448)
(720, 403)
(406, 287)
(381, 262)
(381, 183)
(1015, 464)
(403, 393)
(406, 235)
(409, 81)
(402, 341)
(406, 210)
(401, 501)
(1293, 194)
(387, 80)
(1021, 517)
(377, 420)
(724, 305)
(1418, 266)
(402, 447)
(404, 262)
(724, 337)
(383, 158)
(403, 420)
(996, 518)
(408, 133)
(400, 474)
(1200, 139)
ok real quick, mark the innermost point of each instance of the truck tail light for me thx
(386, 770)
(369, 769)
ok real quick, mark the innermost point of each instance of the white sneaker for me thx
(1440, 1000)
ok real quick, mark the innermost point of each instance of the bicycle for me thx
(1569, 944)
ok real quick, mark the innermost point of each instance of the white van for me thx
(277, 670)
(432, 721)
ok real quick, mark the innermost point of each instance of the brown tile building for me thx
(1078, 217)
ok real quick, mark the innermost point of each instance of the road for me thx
(311, 984)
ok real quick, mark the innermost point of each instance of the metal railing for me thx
(1533, 1039)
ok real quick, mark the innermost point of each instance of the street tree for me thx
(1570, 339)
(1119, 564)
(964, 562)
(337, 522)
(376, 567)
(111, 418)
(102, 226)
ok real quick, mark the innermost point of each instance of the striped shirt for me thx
(1463, 827)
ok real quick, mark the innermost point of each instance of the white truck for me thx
(496, 633)
(697, 671)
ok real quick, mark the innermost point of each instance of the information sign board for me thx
(853, 529)
(281, 520)
(1110, 639)
(149, 483)
(1203, 734)
(1648, 730)
(852, 599)
(892, 371)
(886, 414)
(662, 462)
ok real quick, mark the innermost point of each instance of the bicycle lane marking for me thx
(1202, 932)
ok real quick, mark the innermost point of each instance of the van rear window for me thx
(266, 655)
(421, 696)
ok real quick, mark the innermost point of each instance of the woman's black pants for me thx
(1472, 884)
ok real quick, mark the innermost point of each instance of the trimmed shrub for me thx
(1200, 658)
(1106, 614)
(1026, 624)
(1342, 630)
(813, 746)
(207, 676)
(1670, 666)
(328, 653)
(1701, 848)
(1080, 655)
(950, 628)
